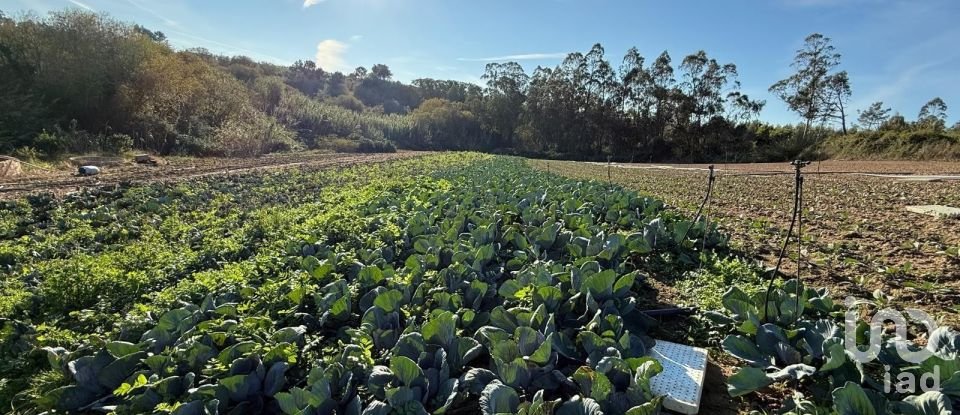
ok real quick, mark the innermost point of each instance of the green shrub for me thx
(348, 102)
(252, 136)
(59, 142)
(355, 144)
(27, 153)
(115, 143)
(50, 144)
(187, 144)
(367, 145)
(338, 145)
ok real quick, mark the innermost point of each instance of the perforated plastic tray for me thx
(682, 378)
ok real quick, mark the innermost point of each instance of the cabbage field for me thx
(454, 283)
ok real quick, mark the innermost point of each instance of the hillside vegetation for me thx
(76, 82)
(907, 144)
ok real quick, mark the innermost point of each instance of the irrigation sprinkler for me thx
(609, 166)
(796, 220)
(706, 198)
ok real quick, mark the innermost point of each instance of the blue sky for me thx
(902, 52)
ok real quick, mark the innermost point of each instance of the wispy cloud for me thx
(519, 57)
(826, 3)
(81, 5)
(356, 38)
(221, 46)
(400, 60)
(308, 3)
(187, 39)
(330, 55)
(164, 19)
(893, 91)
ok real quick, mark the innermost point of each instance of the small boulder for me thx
(88, 170)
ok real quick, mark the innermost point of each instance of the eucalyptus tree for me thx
(449, 90)
(360, 73)
(663, 90)
(636, 101)
(504, 97)
(742, 109)
(540, 128)
(381, 72)
(806, 91)
(634, 83)
(874, 116)
(601, 97)
(933, 114)
(567, 88)
(705, 81)
(602, 83)
(839, 92)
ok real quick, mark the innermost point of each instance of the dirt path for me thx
(64, 181)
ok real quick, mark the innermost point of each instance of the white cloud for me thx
(81, 5)
(356, 38)
(308, 3)
(330, 55)
(520, 57)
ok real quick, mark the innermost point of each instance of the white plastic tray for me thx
(681, 381)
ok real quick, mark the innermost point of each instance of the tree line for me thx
(76, 82)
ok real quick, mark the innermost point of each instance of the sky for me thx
(901, 52)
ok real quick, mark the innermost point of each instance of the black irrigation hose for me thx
(797, 196)
(706, 198)
(706, 228)
(670, 312)
(800, 244)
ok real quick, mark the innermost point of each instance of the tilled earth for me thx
(65, 180)
(858, 237)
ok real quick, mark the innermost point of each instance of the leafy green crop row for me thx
(800, 336)
(100, 261)
(476, 285)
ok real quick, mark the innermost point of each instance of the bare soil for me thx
(65, 180)
(857, 235)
